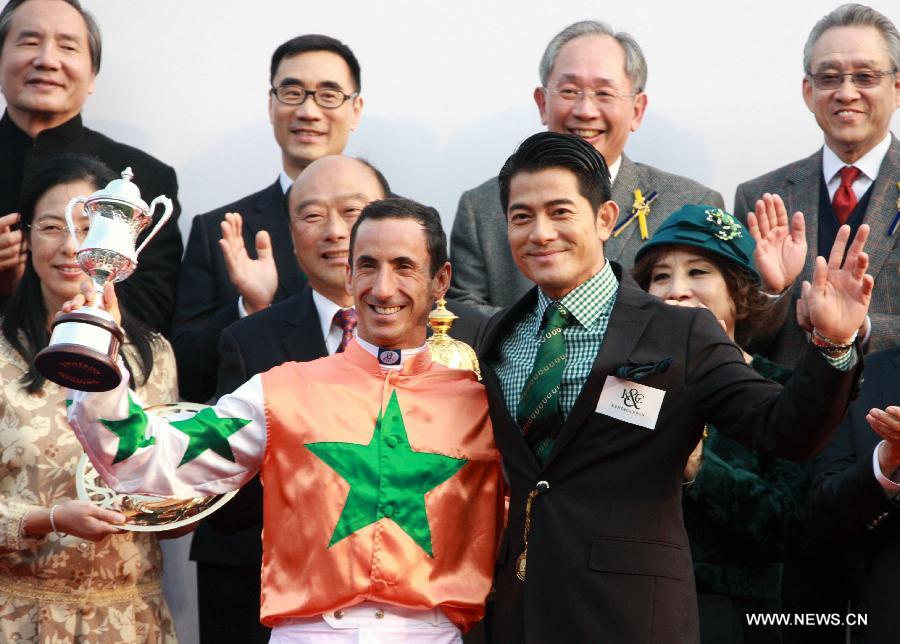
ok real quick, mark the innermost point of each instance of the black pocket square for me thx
(637, 370)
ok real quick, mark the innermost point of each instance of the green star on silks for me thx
(206, 431)
(387, 478)
(130, 431)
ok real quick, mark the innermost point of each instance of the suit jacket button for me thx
(542, 486)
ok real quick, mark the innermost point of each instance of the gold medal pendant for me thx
(520, 565)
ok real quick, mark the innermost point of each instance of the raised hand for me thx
(838, 298)
(255, 279)
(780, 248)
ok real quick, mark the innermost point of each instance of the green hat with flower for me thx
(710, 228)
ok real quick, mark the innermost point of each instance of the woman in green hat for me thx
(742, 510)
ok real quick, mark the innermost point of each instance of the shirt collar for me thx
(582, 302)
(869, 163)
(614, 169)
(326, 310)
(285, 181)
(407, 356)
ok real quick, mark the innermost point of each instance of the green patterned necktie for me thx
(538, 412)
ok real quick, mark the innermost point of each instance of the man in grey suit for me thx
(592, 86)
(852, 87)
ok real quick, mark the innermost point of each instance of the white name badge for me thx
(630, 401)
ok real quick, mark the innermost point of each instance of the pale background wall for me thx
(447, 90)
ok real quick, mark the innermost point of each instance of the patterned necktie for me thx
(346, 319)
(538, 413)
(844, 200)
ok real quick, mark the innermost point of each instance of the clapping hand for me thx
(837, 301)
(886, 423)
(255, 279)
(12, 253)
(780, 248)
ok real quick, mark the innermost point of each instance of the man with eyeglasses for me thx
(592, 86)
(314, 105)
(852, 87)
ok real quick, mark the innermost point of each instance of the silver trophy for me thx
(84, 344)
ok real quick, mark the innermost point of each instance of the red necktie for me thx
(844, 200)
(346, 319)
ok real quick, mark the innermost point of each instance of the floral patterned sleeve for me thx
(12, 526)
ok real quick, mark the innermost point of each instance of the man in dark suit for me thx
(853, 509)
(314, 104)
(592, 86)
(598, 394)
(323, 205)
(49, 60)
(852, 87)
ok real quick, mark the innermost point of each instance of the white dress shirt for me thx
(868, 164)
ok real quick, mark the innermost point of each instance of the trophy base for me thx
(82, 351)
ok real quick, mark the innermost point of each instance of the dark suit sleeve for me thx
(846, 498)
(199, 318)
(469, 283)
(245, 509)
(793, 423)
(149, 294)
(232, 368)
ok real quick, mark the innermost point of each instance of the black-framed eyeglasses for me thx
(862, 79)
(599, 97)
(326, 97)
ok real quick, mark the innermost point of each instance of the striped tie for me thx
(346, 319)
(538, 413)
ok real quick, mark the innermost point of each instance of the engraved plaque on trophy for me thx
(84, 344)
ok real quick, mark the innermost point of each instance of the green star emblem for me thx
(130, 431)
(387, 478)
(206, 431)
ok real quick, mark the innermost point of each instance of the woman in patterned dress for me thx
(77, 577)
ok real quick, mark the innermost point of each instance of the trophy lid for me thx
(445, 350)
(123, 191)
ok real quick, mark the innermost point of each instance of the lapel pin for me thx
(640, 210)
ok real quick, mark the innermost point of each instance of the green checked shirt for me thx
(590, 304)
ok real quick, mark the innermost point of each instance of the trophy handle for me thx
(167, 212)
(69, 222)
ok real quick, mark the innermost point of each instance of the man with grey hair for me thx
(851, 85)
(49, 59)
(592, 86)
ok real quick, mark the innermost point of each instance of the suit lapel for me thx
(623, 195)
(305, 342)
(269, 214)
(882, 208)
(626, 326)
(803, 194)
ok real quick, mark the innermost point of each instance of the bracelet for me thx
(53, 524)
(829, 347)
